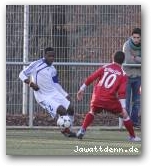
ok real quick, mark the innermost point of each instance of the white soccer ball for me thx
(64, 122)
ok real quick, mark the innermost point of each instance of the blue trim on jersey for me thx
(26, 72)
(55, 78)
(40, 64)
(39, 71)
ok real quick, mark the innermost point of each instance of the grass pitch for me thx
(48, 142)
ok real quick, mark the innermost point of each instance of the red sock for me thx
(88, 120)
(129, 126)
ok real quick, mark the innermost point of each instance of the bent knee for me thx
(70, 110)
(61, 110)
(124, 114)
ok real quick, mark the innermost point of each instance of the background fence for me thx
(79, 33)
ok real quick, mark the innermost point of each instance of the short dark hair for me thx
(137, 31)
(48, 49)
(119, 57)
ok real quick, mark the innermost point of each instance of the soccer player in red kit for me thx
(108, 94)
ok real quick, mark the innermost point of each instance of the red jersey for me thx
(110, 85)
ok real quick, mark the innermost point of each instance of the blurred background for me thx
(84, 37)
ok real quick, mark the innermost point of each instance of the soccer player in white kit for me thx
(47, 91)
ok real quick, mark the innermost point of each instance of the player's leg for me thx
(61, 111)
(66, 109)
(70, 113)
(86, 122)
(88, 119)
(50, 106)
(128, 101)
(120, 125)
(115, 107)
(68, 106)
(55, 109)
(129, 126)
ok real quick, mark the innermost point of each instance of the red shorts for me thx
(111, 106)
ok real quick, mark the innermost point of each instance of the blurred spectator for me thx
(132, 50)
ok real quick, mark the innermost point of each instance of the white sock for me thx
(120, 123)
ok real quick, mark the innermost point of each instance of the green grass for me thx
(52, 142)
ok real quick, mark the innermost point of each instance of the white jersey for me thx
(45, 77)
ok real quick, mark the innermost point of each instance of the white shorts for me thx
(51, 103)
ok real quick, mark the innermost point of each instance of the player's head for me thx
(136, 36)
(49, 55)
(119, 57)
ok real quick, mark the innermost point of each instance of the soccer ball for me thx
(64, 122)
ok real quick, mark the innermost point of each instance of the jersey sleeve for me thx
(24, 74)
(94, 76)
